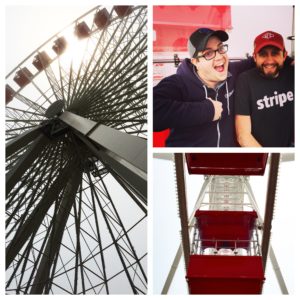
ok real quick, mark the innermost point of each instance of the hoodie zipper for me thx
(228, 108)
(218, 124)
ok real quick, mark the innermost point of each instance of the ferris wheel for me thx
(76, 181)
(215, 243)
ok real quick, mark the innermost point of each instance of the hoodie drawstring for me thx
(205, 90)
(227, 96)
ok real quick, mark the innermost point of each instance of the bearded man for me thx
(264, 96)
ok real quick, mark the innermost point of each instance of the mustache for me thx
(274, 74)
(273, 65)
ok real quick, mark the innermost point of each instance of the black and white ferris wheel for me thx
(76, 158)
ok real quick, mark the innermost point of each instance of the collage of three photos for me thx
(150, 158)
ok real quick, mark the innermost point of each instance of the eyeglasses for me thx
(210, 54)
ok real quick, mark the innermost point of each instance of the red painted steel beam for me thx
(179, 166)
(270, 202)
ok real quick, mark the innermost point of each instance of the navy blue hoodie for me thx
(180, 103)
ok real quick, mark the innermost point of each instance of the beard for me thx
(271, 74)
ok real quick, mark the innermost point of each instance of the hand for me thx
(218, 109)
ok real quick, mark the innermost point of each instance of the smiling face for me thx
(269, 60)
(215, 70)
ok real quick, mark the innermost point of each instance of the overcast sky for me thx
(27, 27)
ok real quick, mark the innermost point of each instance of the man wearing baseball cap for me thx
(196, 103)
(264, 96)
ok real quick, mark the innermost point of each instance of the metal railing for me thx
(249, 247)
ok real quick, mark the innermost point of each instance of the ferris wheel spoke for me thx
(124, 111)
(63, 224)
(51, 252)
(30, 104)
(116, 107)
(141, 203)
(109, 224)
(78, 250)
(21, 195)
(28, 264)
(13, 133)
(38, 213)
(127, 89)
(88, 73)
(76, 76)
(117, 116)
(103, 271)
(127, 63)
(82, 78)
(41, 92)
(54, 84)
(106, 94)
(35, 260)
(106, 50)
(10, 111)
(97, 271)
(25, 199)
(64, 81)
(78, 259)
(70, 85)
(21, 141)
(18, 170)
(117, 221)
(116, 96)
(26, 121)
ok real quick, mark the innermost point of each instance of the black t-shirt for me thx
(270, 103)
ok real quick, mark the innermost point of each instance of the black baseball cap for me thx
(198, 39)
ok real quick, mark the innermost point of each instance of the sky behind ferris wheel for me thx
(29, 26)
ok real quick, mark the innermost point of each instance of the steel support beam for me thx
(272, 255)
(37, 215)
(270, 202)
(179, 166)
(41, 280)
(24, 163)
(277, 271)
(126, 154)
(178, 254)
(21, 141)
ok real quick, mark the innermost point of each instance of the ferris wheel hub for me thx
(54, 109)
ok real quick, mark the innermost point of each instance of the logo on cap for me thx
(268, 38)
(268, 35)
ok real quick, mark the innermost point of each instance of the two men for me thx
(264, 96)
(197, 102)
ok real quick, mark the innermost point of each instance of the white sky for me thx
(27, 27)
(250, 21)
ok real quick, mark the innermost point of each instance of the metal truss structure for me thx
(76, 127)
(225, 193)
